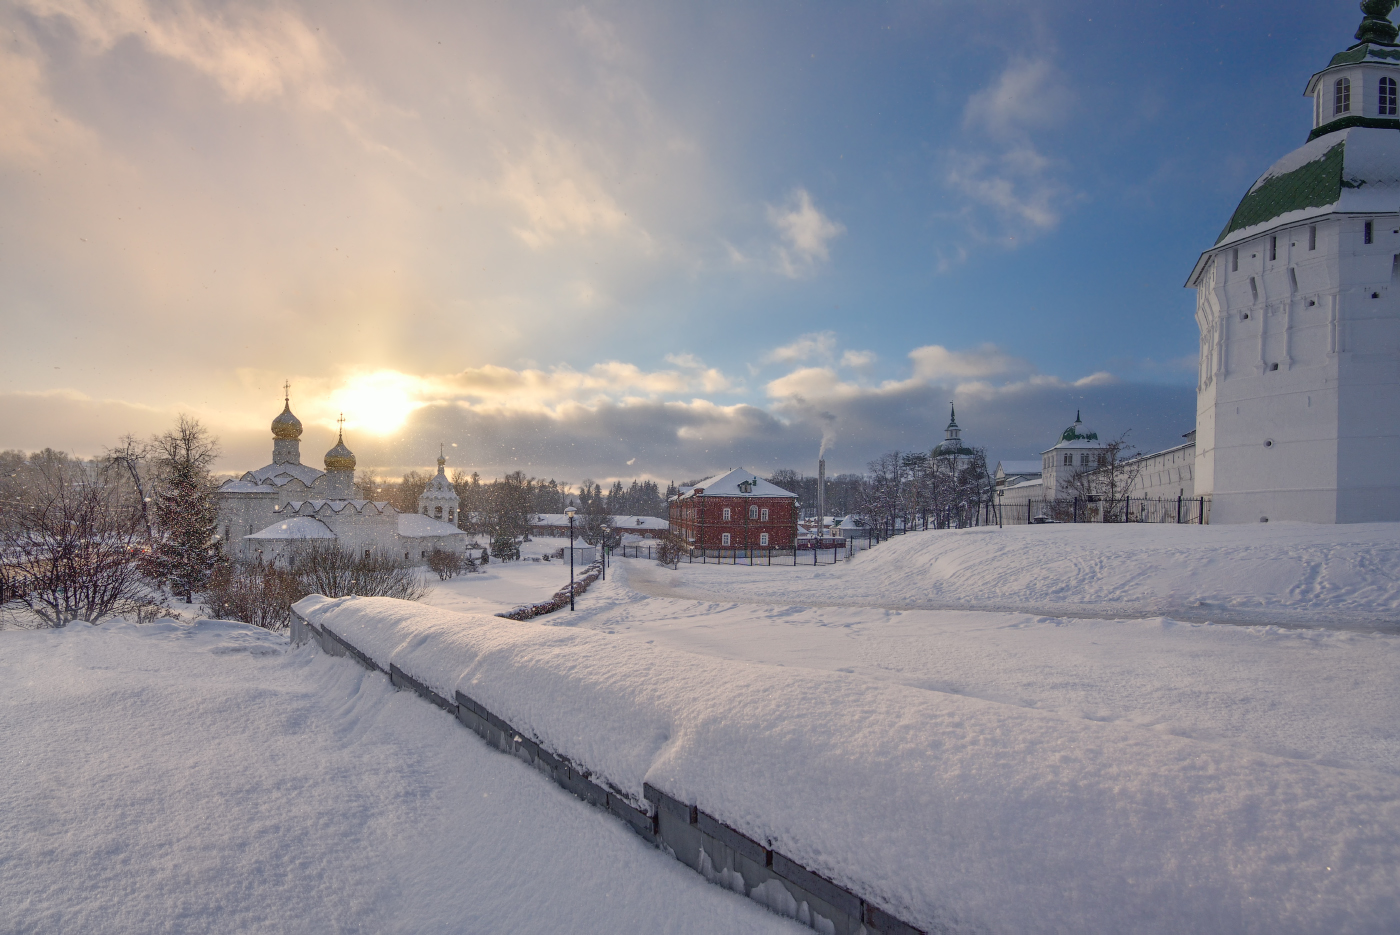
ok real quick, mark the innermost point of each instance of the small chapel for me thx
(287, 504)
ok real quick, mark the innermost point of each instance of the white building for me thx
(1166, 474)
(1077, 450)
(286, 504)
(952, 448)
(1298, 304)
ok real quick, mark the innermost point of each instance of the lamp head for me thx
(569, 511)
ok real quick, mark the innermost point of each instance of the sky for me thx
(625, 239)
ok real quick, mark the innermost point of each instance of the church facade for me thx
(1298, 305)
(286, 504)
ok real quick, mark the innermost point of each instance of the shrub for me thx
(445, 564)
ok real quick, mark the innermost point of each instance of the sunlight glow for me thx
(377, 402)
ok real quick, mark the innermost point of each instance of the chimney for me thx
(821, 494)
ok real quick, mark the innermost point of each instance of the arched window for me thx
(1341, 96)
(1387, 97)
(437, 512)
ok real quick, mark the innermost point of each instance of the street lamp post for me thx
(604, 546)
(569, 511)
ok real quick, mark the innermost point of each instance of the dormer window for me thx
(1387, 97)
(1341, 96)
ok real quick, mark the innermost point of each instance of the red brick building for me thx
(735, 510)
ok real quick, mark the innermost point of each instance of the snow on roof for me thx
(1352, 170)
(279, 474)
(296, 527)
(418, 526)
(1019, 467)
(727, 485)
(244, 486)
(619, 521)
(1035, 482)
(335, 506)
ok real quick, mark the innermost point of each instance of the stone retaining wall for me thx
(722, 854)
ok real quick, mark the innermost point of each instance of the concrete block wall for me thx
(723, 855)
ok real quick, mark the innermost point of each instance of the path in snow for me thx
(167, 778)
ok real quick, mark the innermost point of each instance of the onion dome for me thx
(1078, 433)
(286, 425)
(340, 458)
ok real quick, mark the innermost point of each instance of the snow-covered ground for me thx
(1281, 573)
(502, 586)
(185, 779)
(1021, 730)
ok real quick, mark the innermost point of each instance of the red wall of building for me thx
(700, 520)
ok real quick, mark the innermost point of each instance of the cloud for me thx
(935, 363)
(818, 345)
(558, 194)
(858, 360)
(1010, 190)
(1028, 94)
(805, 233)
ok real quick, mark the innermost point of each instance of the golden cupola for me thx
(286, 425)
(340, 458)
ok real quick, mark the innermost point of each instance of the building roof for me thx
(1019, 467)
(336, 506)
(1350, 170)
(295, 527)
(623, 523)
(1077, 436)
(728, 485)
(279, 474)
(418, 526)
(244, 486)
(1025, 484)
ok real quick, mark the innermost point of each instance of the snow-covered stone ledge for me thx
(852, 804)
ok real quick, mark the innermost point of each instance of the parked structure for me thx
(1298, 305)
(735, 510)
(557, 525)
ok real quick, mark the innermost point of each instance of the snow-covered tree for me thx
(186, 548)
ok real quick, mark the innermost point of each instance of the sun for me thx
(378, 403)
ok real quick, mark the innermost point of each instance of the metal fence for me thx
(741, 556)
(1172, 510)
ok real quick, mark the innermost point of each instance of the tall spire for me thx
(442, 458)
(952, 414)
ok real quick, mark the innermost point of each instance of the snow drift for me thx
(947, 810)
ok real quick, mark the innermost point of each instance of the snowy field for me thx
(1026, 730)
(166, 778)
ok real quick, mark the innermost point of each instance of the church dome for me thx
(286, 425)
(1078, 433)
(340, 458)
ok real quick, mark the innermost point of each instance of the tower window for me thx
(1254, 288)
(764, 515)
(1341, 96)
(1235, 260)
(763, 538)
(726, 513)
(1273, 248)
(1368, 232)
(1387, 97)
(753, 512)
(724, 539)
(1293, 278)
(1312, 237)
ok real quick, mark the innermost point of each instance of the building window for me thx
(1273, 248)
(424, 554)
(437, 512)
(763, 538)
(726, 514)
(1254, 288)
(425, 511)
(449, 514)
(1387, 100)
(366, 553)
(1235, 260)
(724, 539)
(1069, 460)
(753, 512)
(763, 516)
(1084, 459)
(1341, 96)
(1366, 236)
(1312, 237)
(405, 556)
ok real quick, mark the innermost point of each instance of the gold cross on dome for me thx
(341, 420)
(287, 392)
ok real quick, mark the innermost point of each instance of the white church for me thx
(1298, 304)
(282, 505)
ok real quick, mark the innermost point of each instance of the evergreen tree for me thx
(186, 548)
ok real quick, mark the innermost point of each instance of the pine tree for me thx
(186, 548)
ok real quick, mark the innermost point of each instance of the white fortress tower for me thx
(1298, 304)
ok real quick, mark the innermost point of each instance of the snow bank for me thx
(1283, 573)
(199, 779)
(946, 810)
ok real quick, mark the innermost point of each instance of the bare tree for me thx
(1104, 487)
(71, 544)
